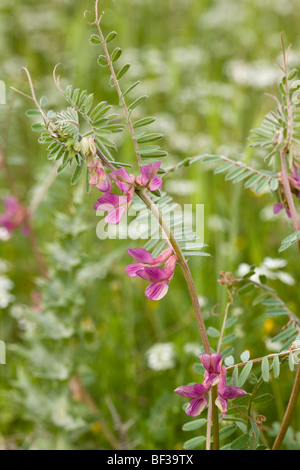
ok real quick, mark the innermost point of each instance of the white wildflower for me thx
(4, 234)
(161, 356)
(274, 263)
(269, 268)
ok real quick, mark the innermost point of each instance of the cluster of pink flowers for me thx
(215, 374)
(15, 216)
(116, 205)
(294, 179)
(148, 268)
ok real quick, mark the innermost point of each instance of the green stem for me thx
(215, 418)
(116, 83)
(208, 422)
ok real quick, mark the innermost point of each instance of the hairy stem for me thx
(41, 264)
(229, 303)
(183, 263)
(116, 82)
(43, 188)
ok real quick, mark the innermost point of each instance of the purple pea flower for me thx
(115, 205)
(145, 259)
(215, 374)
(148, 179)
(212, 364)
(198, 397)
(279, 206)
(97, 176)
(123, 179)
(226, 392)
(159, 278)
(14, 216)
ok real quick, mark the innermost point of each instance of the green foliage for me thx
(51, 339)
(238, 171)
(289, 241)
(281, 122)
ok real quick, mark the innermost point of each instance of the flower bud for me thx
(92, 146)
(85, 146)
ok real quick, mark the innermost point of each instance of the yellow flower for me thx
(269, 325)
(96, 428)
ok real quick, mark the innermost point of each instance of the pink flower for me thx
(198, 397)
(123, 179)
(97, 175)
(148, 179)
(226, 392)
(14, 216)
(279, 206)
(215, 374)
(115, 205)
(145, 259)
(212, 364)
(159, 278)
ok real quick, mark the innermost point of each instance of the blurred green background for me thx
(91, 363)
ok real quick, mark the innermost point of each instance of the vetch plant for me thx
(82, 137)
